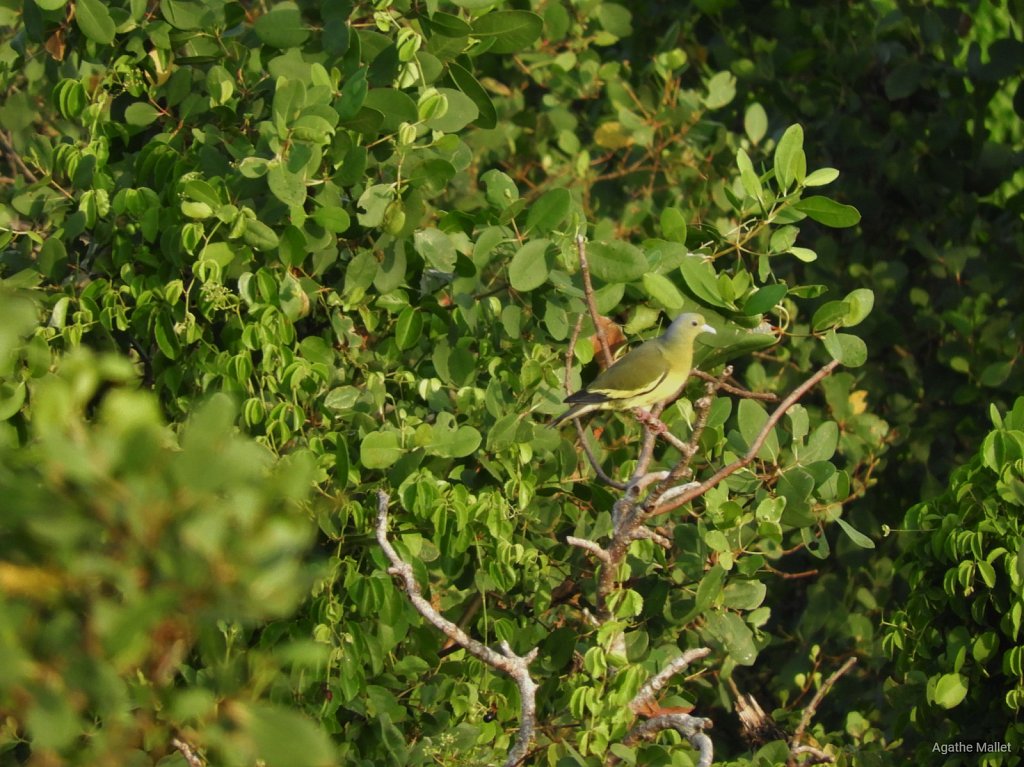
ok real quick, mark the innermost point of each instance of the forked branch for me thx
(505, 660)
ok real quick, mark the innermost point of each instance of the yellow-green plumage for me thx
(648, 374)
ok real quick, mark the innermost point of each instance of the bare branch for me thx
(645, 696)
(187, 752)
(819, 696)
(590, 546)
(690, 727)
(682, 469)
(15, 159)
(516, 666)
(737, 391)
(602, 475)
(751, 454)
(588, 290)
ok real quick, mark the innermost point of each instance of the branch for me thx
(653, 509)
(682, 469)
(588, 291)
(588, 545)
(690, 727)
(15, 159)
(812, 707)
(736, 390)
(516, 666)
(645, 697)
(187, 752)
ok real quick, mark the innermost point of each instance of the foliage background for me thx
(260, 260)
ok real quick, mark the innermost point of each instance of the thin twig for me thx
(812, 707)
(650, 688)
(187, 752)
(755, 446)
(738, 391)
(588, 291)
(516, 666)
(15, 159)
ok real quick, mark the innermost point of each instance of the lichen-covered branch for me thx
(690, 727)
(505, 660)
(645, 696)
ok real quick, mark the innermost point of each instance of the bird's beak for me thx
(708, 329)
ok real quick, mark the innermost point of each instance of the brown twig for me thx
(15, 159)
(588, 291)
(504, 659)
(755, 446)
(737, 391)
(819, 696)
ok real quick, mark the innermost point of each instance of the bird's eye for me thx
(694, 323)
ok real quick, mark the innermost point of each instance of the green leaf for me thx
(950, 690)
(702, 281)
(500, 190)
(861, 301)
(259, 236)
(765, 299)
(437, 249)
(849, 350)
(288, 187)
(141, 114)
(95, 21)
(616, 261)
(751, 182)
(409, 328)
(332, 218)
(282, 27)
(752, 417)
(380, 449)
(468, 84)
(829, 315)
(449, 25)
(662, 290)
(821, 177)
(462, 110)
(549, 211)
(673, 225)
(856, 535)
(353, 94)
(529, 268)
(721, 90)
(396, 106)
(373, 203)
(755, 123)
(790, 161)
(734, 635)
(459, 443)
(183, 14)
(828, 212)
(510, 31)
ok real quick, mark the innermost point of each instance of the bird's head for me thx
(688, 325)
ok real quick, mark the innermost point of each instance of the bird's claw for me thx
(654, 424)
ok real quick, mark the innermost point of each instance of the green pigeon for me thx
(648, 374)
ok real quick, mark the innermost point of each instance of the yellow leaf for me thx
(611, 135)
(859, 401)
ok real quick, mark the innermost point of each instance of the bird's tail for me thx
(572, 412)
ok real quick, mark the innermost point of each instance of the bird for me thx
(646, 375)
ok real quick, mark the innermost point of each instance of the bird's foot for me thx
(654, 424)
